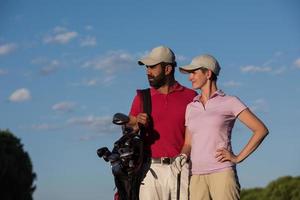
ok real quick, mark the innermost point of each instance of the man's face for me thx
(156, 75)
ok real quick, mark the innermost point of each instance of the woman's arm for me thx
(259, 131)
(186, 149)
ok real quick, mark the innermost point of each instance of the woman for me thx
(210, 118)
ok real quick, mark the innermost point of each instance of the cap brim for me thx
(148, 61)
(188, 69)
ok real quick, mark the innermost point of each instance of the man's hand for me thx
(143, 119)
(178, 163)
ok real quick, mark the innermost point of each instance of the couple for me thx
(186, 126)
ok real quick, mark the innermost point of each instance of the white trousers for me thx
(160, 183)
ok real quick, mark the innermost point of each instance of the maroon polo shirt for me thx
(168, 114)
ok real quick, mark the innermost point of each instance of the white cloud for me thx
(39, 60)
(44, 127)
(278, 53)
(61, 36)
(280, 70)
(232, 84)
(7, 48)
(297, 63)
(260, 105)
(275, 65)
(88, 27)
(88, 82)
(47, 66)
(108, 80)
(254, 69)
(115, 61)
(277, 56)
(181, 58)
(50, 67)
(64, 106)
(3, 72)
(90, 121)
(112, 62)
(20, 95)
(59, 29)
(88, 41)
(87, 138)
(91, 82)
(102, 125)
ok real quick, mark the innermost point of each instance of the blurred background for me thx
(67, 66)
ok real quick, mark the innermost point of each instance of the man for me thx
(164, 135)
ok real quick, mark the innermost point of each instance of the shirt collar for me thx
(218, 93)
(174, 88)
(215, 94)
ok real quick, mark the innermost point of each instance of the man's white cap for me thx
(203, 61)
(158, 55)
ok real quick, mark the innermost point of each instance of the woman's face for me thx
(198, 78)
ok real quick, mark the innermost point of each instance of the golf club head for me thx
(120, 119)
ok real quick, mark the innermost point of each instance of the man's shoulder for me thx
(187, 94)
(189, 91)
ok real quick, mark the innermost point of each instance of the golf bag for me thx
(126, 157)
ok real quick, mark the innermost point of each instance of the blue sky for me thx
(67, 66)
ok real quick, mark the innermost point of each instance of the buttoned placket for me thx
(218, 92)
(204, 106)
(166, 99)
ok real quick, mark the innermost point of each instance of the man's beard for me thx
(157, 81)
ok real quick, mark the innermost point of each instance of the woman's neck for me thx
(207, 91)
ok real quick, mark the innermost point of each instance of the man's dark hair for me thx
(164, 64)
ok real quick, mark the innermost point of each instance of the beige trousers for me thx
(160, 183)
(215, 186)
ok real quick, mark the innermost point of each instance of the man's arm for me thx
(142, 119)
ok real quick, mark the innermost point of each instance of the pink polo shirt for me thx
(210, 127)
(168, 114)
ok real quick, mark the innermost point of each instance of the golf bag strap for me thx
(146, 99)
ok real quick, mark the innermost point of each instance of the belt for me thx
(163, 160)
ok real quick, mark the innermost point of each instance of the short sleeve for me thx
(135, 106)
(237, 106)
(187, 111)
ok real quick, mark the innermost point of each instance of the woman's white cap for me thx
(203, 61)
